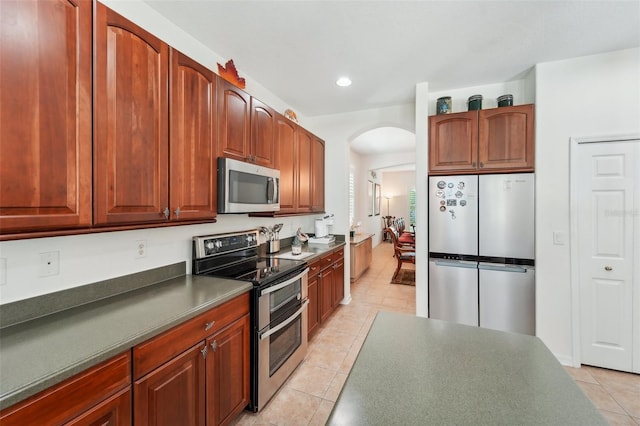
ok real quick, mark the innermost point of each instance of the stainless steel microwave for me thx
(245, 187)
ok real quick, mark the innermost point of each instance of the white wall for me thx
(588, 96)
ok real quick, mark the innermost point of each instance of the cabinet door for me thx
(325, 282)
(228, 372)
(312, 309)
(286, 162)
(98, 390)
(115, 411)
(304, 141)
(453, 142)
(173, 394)
(130, 122)
(338, 283)
(233, 122)
(192, 139)
(262, 133)
(506, 139)
(317, 175)
(45, 115)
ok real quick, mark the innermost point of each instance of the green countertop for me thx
(417, 371)
(41, 352)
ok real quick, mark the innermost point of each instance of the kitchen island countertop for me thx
(418, 371)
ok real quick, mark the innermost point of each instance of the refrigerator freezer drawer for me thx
(453, 291)
(507, 298)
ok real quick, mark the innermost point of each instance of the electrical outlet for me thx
(3, 270)
(49, 264)
(141, 249)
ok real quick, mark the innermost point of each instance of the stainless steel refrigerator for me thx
(481, 250)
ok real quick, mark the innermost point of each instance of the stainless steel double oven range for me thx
(278, 305)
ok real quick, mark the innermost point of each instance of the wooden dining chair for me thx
(403, 253)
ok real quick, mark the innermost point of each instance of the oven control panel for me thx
(212, 245)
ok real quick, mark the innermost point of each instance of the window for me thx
(412, 206)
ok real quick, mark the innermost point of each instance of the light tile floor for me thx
(310, 393)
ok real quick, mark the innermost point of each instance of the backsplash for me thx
(90, 258)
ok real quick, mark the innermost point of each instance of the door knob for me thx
(608, 268)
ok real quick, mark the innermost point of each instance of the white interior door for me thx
(608, 185)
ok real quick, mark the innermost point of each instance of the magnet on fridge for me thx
(443, 208)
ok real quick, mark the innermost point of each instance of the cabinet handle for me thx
(203, 351)
(608, 268)
(214, 345)
(208, 325)
(473, 164)
(166, 212)
(481, 164)
(329, 260)
(177, 212)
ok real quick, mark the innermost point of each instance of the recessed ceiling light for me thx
(343, 81)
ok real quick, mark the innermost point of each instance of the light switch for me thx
(558, 238)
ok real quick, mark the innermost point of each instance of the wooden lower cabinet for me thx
(361, 254)
(325, 288)
(207, 382)
(173, 393)
(114, 411)
(326, 293)
(100, 395)
(227, 366)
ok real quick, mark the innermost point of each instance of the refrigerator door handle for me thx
(503, 268)
(457, 264)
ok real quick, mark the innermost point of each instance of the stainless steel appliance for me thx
(481, 250)
(245, 187)
(278, 305)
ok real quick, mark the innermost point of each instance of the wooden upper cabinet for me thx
(130, 122)
(304, 145)
(234, 118)
(193, 136)
(485, 141)
(262, 134)
(285, 161)
(453, 142)
(506, 138)
(317, 175)
(45, 115)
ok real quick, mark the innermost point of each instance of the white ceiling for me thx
(297, 49)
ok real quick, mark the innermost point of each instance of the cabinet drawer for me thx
(327, 260)
(314, 268)
(160, 349)
(69, 399)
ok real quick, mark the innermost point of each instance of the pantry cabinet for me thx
(45, 119)
(484, 141)
(98, 396)
(131, 116)
(197, 373)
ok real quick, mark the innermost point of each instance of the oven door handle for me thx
(284, 323)
(284, 284)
